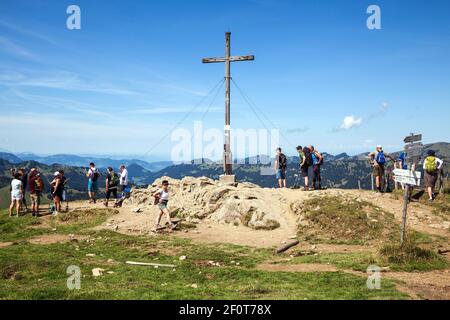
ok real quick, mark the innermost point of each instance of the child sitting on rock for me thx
(162, 200)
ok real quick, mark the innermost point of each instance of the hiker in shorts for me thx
(35, 185)
(112, 185)
(306, 162)
(379, 159)
(162, 199)
(280, 168)
(16, 194)
(432, 166)
(24, 179)
(317, 161)
(93, 176)
(57, 192)
(123, 178)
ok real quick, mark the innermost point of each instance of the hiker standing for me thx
(123, 178)
(162, 199)
(378, 160)
(307, 162)
(280, 168)
(93, 175)
(64, 181)
(432, 166)
(16, 194)
(24, 179)
(36, 186)
(57, 192)
(112, 184)
(317, 161)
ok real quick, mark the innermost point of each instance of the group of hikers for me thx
(309, 158)
(432, 167)
(33, 182)
(114, 183)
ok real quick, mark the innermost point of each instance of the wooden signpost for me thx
(410, 177)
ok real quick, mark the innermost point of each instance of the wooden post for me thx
(359, 184)
(409, 141)
(371, 179)
(404, 215)
(227, 156)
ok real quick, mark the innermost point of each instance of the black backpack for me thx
(282, 161)
(308, 156)
(95, 176)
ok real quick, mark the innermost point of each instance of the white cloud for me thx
(351, 122)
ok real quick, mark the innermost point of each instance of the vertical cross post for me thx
(227, 155)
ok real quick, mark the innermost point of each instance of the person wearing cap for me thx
(378, 160)
(431, 166)
(57, 192)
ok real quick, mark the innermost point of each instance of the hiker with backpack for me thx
(36, 187)
(432, 166)
(378, 160)
(306, 162)
(93, 176)
(112, 184)
(317, 161)
(280, 168)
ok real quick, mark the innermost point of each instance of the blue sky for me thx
(134, 70)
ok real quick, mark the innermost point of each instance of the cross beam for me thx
(228, 59)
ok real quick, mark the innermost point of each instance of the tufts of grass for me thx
(344, 221)
(411, 257)
(39, 272)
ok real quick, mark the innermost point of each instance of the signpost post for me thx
(410, 177)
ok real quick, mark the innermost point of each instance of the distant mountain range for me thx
(338, 171)
(82, 161)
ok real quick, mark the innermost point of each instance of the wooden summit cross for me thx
(227, 156)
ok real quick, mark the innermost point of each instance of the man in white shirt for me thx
(431, 166)
(123, 177)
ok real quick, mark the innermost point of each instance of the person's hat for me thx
(379, 146)
(56, 173)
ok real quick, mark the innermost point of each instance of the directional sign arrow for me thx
(407, 173)
(413, 138)
(407, 180)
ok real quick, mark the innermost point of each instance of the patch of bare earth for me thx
(5, 244)
(55, 238)
(306, 268)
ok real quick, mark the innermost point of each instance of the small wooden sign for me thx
(413, 138)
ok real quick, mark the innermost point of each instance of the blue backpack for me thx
(381, 158)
